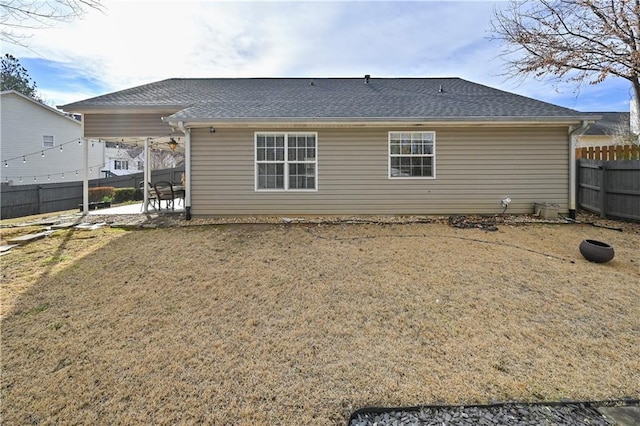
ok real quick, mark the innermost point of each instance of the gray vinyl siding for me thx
(475, 169)
(125, 125)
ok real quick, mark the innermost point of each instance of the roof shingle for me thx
(326, 98)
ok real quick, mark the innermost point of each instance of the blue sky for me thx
(138, 42)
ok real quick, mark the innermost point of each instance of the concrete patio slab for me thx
(623, 416)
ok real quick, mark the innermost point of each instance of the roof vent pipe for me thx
(367, 77)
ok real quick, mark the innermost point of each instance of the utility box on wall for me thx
(546, 210)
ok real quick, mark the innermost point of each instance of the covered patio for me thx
(172, 140)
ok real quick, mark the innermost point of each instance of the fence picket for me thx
(609, 152)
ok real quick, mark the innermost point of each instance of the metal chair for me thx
(153, 197)
(165, 192)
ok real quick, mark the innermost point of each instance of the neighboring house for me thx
(612, 129)
(122, 160)
(348, 146)
(41, 144)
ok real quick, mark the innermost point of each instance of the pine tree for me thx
(15, 77)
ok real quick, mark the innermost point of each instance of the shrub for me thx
(124, 194)
(97, 194)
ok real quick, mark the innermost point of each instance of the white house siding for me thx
(24, 122)
(475, 169)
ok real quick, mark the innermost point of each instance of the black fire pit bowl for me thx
(596, 251)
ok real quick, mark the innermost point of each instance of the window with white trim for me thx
(412, 155)
(121, 165)
(286, 161)
(47, 141)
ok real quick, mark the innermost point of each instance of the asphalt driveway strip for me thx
(624, 412)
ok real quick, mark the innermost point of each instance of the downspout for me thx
(187, 169)
(572, 165)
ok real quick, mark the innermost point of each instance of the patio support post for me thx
(146, 176)
(85, 176)
(187, 169)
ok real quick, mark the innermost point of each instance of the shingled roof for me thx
(339, 99)
(611, 123)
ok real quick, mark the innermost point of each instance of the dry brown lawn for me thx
(302, 324)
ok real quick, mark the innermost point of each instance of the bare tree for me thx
(161, 159)
(574, 41)
(622, 134)
(21, 17)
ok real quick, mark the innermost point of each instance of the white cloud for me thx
(138, 42)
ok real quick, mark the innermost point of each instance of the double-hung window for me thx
(286, 161)
(121, 165)
(412, 155)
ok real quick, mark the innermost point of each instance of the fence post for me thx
(603, 190)
(39, 199)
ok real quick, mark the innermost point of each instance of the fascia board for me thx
(417, 122)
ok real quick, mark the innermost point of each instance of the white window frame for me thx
(120, 163)
(432, 155)
(46, 139)
(286, 162)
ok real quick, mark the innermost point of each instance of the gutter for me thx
(572, 165)
(195, 122)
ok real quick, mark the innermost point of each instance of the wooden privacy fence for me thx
(610, 187)
(26, 200)
(609, 153)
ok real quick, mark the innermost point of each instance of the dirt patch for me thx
(302, 324)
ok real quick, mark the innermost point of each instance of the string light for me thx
(42, 151)
(41, 154)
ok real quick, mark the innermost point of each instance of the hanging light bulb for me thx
(42, 154)
(91, 144)
(24, 159)
(62, 175)
(6, 164)
(60, 148)
(48, 177)
(34, 179)
(76, 173)
(79, 141)
(20, 178)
